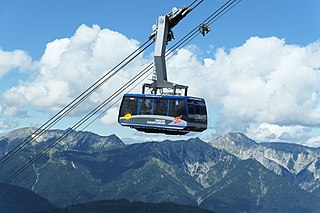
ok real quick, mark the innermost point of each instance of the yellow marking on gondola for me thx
(127, 117)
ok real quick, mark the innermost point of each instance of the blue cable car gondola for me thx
(169, 114)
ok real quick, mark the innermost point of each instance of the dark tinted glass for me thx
(203, 110)
(160, 106)
(177, 107)
(129, 105)
(197, 111)
(145, 106)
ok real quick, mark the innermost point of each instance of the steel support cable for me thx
(224, 9)
(195, 30)
(193, 3)
(72, 105)
(169, 53)
(92, 113)
(212, 18)
(196, 4)
(139, 75)
(76, 102)
(88, 116)
(67, 109)
(182, 42)
(214, 14)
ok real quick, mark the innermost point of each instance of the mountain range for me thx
(231, 173)
(298, 163)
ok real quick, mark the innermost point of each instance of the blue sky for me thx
(30, 25)
(248, 56)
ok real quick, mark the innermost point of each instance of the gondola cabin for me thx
(168, 114)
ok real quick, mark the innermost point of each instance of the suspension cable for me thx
(196, 4)
(223, 11)
(180, 44)
(108, 100)
(72, 105)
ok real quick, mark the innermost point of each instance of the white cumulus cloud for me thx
(71, 65)
(264, 81)
(313, 141)
(110, 117)
(277, 133)
(266, 88)
(16, 59)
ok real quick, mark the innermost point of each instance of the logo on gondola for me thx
(177, 119)
(127, 117)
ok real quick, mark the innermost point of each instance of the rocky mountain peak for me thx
(76, 140)
(231, 141)
(20, 133)
(289, 160)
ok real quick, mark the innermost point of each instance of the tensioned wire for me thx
(76, 102)
(97, 109)
(169, 54)
(62, 113)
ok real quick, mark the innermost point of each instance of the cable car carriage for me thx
(164, 113)
(167, 114)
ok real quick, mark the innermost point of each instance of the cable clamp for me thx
(204, 29)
